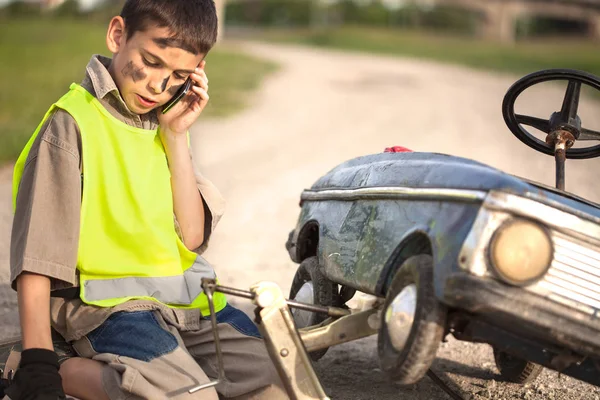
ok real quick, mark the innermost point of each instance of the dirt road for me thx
(320, 109)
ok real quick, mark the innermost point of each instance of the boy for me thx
(110, 212)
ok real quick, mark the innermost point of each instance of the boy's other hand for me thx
(181, 117)
(37, 377)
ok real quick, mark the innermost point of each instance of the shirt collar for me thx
(102, 81)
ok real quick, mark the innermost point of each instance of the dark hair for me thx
(193, 23)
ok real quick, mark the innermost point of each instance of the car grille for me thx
(574, 276)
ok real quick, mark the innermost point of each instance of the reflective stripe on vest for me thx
(175, 290)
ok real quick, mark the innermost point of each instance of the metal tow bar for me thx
(288, 347)
(282, 340)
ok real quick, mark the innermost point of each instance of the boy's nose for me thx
(159, 86)
(156, 87)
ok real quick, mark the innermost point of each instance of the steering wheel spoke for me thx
(588, 134)
(570, 104)
(538, 123)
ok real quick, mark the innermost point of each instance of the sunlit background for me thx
(298, 87)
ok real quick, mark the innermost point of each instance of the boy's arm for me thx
(45, 231)
(214, 206)
(173, 127)
(43, 251)
(33, 292)
(187, 200)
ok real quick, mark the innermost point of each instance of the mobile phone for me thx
(183, 90)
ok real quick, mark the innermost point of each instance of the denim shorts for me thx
(139, 334)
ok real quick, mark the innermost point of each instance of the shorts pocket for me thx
(135, 334)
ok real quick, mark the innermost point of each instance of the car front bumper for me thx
(525, 314)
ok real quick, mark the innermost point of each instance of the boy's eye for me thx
(150, 63)
(179, 76)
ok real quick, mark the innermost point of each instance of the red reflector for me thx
(397, 149)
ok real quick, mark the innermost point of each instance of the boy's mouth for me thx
(145, 102)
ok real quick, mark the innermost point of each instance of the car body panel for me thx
(357, 238)
(367, 207)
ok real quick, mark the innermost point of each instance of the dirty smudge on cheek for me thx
(136, 73)
(164, 84)
(173, 89)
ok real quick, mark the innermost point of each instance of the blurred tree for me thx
(67, 9)
(452, 19)
(375, 14)
(540, 26)
(220, 5)
(20, 9)
(320, 14)
(268, 13)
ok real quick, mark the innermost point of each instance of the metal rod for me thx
(442, 385)
(205, 386)
(213, 320)
(338, 312)
(331, 311)
(560, 140)
(234, 292)
(208, 290)
(342, 330)
(560, 156)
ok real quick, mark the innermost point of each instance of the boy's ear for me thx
(115, 36)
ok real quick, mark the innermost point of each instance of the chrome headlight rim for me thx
(499, 274)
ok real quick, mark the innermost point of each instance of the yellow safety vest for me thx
(128, 246)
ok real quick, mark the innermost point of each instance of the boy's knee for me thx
(82, 378)
(271, 392)
(255, 377)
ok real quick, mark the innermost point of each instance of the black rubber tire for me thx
(410, 364)
(325, 293)
(515, 369)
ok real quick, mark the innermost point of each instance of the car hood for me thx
(434, 170)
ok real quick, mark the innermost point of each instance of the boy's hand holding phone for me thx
(177, 116)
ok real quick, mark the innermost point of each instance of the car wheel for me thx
(311, 286)
(515, 369)
(412, 323)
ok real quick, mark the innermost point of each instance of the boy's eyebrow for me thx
(164, 63)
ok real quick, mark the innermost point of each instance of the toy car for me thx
(453, 246)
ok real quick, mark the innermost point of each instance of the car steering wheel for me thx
(564, 120)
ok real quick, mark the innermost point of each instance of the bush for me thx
(451, 19)
(16, 9)
(70, 8)
(268, 13)
(67, 10)
(547, 26)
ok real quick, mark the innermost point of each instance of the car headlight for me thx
(521, 251)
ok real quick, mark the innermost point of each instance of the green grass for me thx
(521, 58)
(41, 57)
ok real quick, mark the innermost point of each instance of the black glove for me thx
(37, 377)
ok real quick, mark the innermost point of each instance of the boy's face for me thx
(147, 70)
